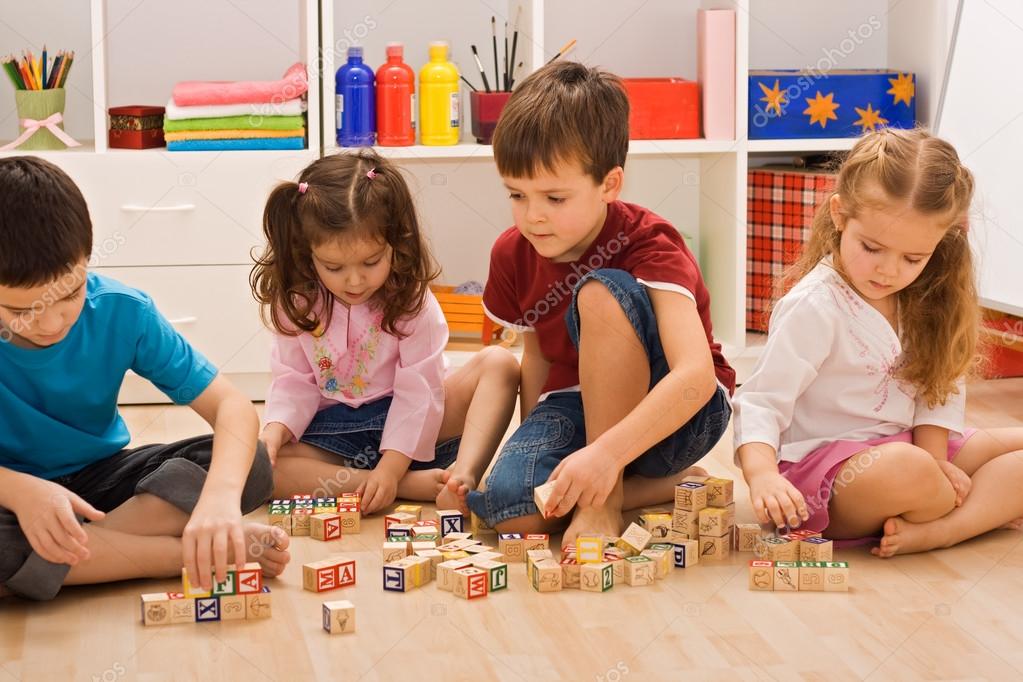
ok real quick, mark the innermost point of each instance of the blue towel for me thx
(236, 145)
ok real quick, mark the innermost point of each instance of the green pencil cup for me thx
(38, 105)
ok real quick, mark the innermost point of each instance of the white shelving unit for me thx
(191, 220)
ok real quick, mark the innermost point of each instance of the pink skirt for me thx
(815, 474)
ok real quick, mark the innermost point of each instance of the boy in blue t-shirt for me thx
(67, 337)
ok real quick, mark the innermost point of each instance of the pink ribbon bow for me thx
(50, 123)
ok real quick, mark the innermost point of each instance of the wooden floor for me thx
(953, 614)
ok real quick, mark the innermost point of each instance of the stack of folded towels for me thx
(238, 115)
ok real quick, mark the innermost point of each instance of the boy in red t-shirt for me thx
(614, 314)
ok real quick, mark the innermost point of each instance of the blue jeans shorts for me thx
(556, 427)
(354, 434)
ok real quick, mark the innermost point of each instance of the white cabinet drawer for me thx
(176, 208)
(212, 307)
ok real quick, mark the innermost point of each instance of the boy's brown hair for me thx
(564, 112)
(45, 230)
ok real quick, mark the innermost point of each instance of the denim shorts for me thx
(556, 427)
(354, 433)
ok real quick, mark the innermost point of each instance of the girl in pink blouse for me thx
(361, 399)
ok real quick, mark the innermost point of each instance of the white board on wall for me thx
(982, 115)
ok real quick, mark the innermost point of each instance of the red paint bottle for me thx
(396, 100)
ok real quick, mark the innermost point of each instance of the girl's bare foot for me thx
(605, 521)
(267, 545)
(422, 485)
(454, 491)
(903, 537)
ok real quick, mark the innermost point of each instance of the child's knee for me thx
(260, 482)
(594, 299)
(498, 361)
(917, 477)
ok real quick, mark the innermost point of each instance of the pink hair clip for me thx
(302, 187)
(371, 173)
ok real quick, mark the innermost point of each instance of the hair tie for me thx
(371, 173)
(302, 187)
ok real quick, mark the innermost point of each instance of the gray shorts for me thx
(175, 472)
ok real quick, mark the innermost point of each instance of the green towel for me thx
(234, 123)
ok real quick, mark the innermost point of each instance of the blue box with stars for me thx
(798, 104)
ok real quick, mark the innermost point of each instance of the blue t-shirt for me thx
(58, 405)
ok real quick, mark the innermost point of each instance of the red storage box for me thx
(780, 206)
(136, 126)
(663, 108)
(1003, 345)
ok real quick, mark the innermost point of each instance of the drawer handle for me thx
(135, 208)
(184, 320)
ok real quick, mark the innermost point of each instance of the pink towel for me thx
(194, 93)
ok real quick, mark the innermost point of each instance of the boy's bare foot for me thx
(267, 545)
(693, 471)
(606, 521)
(454, 491)
(903, 537)
(422, 485)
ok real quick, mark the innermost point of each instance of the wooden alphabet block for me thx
(470, 583)
(281, 518)
(451, 521)
(617, 564)
(570, 573)
(325, 526)
(399, 530)
(190, 589)
(547, 576)
(802, 534)
(156, 609)
(836, 576)
(534, 556)
(338, 617)
(328, 574)
(401, 518)
(397, 577)
(589, 549)
(761, 576)
(497, 574)
(719, 491)
(634, 540)
(473, 550)
(596, 577)
(702, 480)
(486, 556)
(351, 518)
(249, 578)
(811, 576)
(394, 550)
(686, 522)
(435, 558)
(536, 541)
(300, 521)
(182, 610)
(423, 543)
(686, 553)
(786, 576)
(258, 605)
(230, 584)
(207, 609)
(675, 537)
(446, 573)
(713, 521)
(541, 494)
(746, 536)
(232, 607)
(426, 529)
(455, 556)
(663, 559)
(421, 569)
(639, 571)
(415, 510)
(778, 549)
(511, 545)
(658, 524)
(691, 496)
(454, 537)
(815, 549)
(712, 547)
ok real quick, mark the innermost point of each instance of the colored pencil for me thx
(44, 79)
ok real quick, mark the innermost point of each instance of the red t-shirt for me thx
(528, 292)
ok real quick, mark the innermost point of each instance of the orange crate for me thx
(464, 313)
(663, 108)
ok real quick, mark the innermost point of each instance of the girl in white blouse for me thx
(852, 422)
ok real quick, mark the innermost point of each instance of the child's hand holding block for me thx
(541, 494)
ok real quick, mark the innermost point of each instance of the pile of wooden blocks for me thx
(414, 555)
(704, 516)
(242, 596)
(799, 576)
(323, 518)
